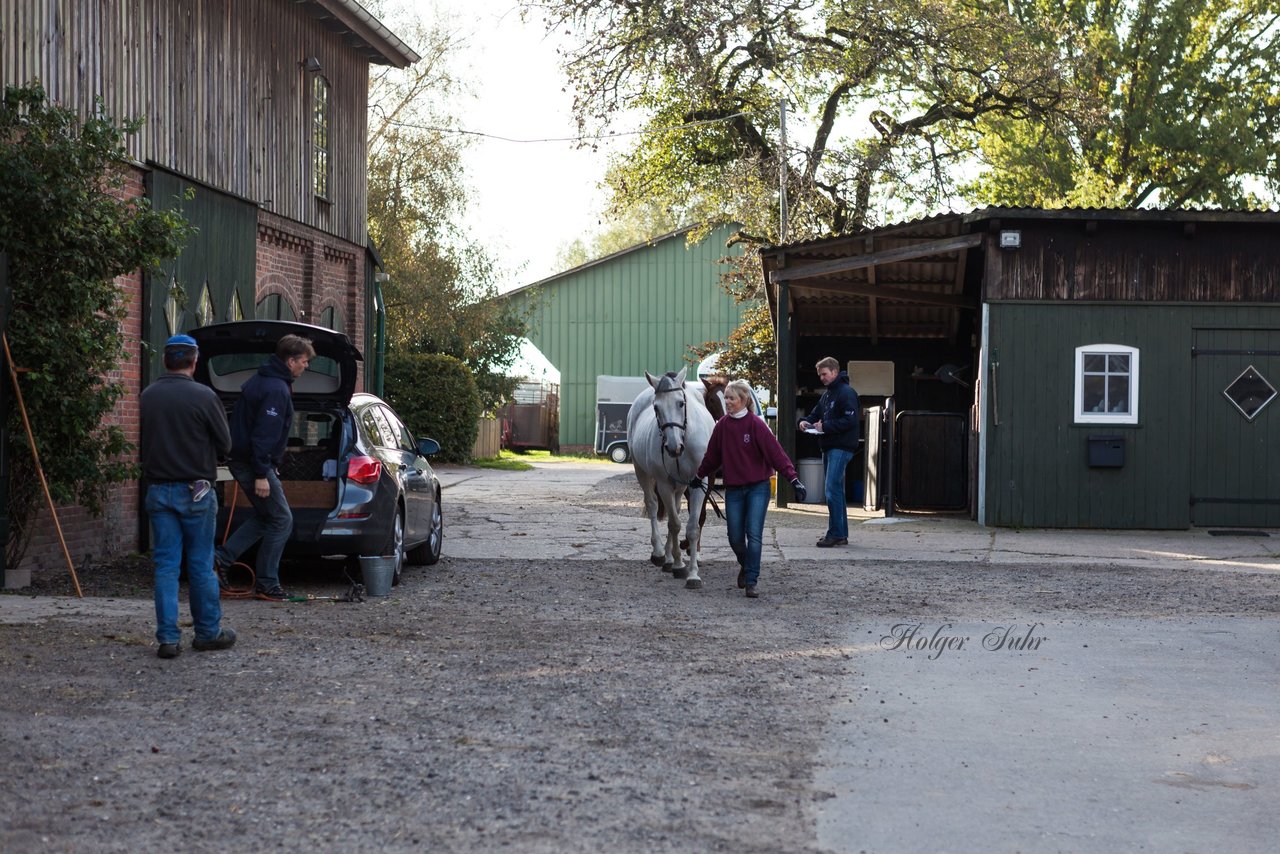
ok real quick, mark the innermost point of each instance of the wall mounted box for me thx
(1106, 451)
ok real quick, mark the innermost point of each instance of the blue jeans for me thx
(183, 528)
(835, 462)
(744, 509)
(271, 522)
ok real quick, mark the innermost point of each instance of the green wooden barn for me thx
(637, 310)
(1069, 368)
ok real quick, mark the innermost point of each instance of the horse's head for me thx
(669, 407)
(714, 394)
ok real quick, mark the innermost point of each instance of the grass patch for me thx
(513, 461)
(502, 463)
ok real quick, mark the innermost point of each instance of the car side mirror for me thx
(427, 447)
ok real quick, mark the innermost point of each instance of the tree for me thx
(69, 232)
(1192, 108)
(440, 295)
(886, 93)
(886, 97)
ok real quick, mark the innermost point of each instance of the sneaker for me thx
(752, 593)
(273, 594)
(169, 650)
(828, 542)
(225, 640)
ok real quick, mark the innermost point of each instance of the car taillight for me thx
(364, 469)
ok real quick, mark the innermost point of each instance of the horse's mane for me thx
(714, 386)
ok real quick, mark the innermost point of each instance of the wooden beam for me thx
(885, 256)
(899, 294)
(955, 315)
(871, 303)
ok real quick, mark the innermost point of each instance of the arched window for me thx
(275, 307)
(320, 136)
(331, 318)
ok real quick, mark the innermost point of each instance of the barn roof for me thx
(364, 33)
(679, 232)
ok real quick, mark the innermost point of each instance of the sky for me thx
(528, 198)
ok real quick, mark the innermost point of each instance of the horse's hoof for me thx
(682, 572)
(693, 584)
(666, 567)
(659, 560)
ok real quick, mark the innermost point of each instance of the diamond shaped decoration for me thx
(1250, 392)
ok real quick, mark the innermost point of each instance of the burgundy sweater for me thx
(747, 451)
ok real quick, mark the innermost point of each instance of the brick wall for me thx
(307, 267)
(313, 271)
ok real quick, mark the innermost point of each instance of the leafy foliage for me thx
(69, 233)
(885, 98)
(1192, 110)
(436, 397)
(440, 296)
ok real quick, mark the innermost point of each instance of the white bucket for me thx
(377, 573)
(814, 479)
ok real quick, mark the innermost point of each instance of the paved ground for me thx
(515, 515)
(935, 686)
(1014, 731)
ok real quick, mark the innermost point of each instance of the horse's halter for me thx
(657, 416)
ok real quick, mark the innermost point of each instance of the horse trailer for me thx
(614, 396)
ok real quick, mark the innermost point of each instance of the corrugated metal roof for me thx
(679, 232)
(922, 225)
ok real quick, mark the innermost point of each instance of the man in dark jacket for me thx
(260, 426)
(837, 418)
(184, 431)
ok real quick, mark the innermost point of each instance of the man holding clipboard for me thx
(836, 420)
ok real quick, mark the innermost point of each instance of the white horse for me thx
(668, 428)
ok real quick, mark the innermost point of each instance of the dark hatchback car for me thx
(357, 481)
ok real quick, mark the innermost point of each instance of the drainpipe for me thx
(380, 333)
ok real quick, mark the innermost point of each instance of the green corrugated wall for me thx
(639, 310)
(1188, 440)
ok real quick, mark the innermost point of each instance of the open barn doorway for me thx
(900, 308)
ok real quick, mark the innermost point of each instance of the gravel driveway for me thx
(514, 697)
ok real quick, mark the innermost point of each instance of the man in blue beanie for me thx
(183, 432)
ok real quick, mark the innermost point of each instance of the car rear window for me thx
(229, 371)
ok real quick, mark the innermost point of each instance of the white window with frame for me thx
(1106, 384)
